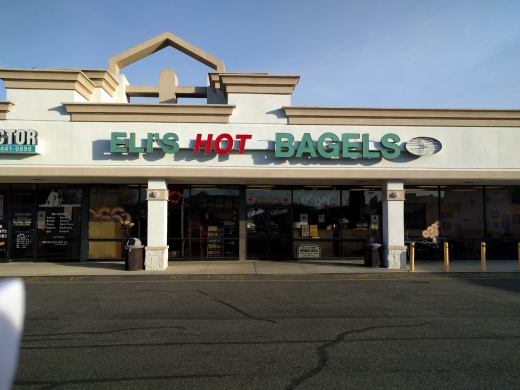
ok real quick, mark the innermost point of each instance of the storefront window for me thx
(178, 221)
(113, 212)
(269, 222)
(317, 211)
(268, 195)
(4, 202)
(213, 222)
(360, 219)
(24, 194)
(317, 217)
(503, 221)
(140, 217)
(58, 222)
(462, 219)
(421, 212)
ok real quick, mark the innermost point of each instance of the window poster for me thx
(314, 230)
(3, 233)
(304, 218)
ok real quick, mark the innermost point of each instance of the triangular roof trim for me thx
(136, 53)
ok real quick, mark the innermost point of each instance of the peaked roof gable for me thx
(166, 39)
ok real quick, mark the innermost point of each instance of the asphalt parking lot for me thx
(334, 331)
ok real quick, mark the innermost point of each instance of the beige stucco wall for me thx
(467, 153)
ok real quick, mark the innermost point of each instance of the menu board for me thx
(22, 227)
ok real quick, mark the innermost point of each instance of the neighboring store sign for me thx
(308, 251)
(18, 141)
(328, 145)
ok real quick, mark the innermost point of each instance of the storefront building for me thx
(245, 176)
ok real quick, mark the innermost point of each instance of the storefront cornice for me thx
(135, 112)
(102, 79)
(214, 77)
(257, 83)
(401, 116)
(267, 175)
(57, 79)
(5, 107)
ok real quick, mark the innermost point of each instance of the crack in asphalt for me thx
(237, 309)
(281, 342)
(104, 332)
(323, 355)
(172, 344)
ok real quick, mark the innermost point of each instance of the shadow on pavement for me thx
(112, 265)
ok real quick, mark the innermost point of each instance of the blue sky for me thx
(365, 53)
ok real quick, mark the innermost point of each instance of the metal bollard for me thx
(412, 256)
(483, 257)
(446, 257)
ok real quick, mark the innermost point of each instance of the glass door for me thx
(269, 232)
(22, 236)
(280, 230)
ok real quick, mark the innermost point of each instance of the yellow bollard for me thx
(446, 257)
(412, 256)
(483, 257)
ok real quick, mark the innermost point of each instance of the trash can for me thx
(134, 255)
(372, 252)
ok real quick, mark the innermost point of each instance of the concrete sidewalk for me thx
(250, 267)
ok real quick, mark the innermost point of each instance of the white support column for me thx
(157, 251)
(394, 256)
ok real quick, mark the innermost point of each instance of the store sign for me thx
(308, 251)
(18, 141)
(327, 145)
(251, 199)
(279, 211)
(253, 212)
(315, 196)
(221, 144)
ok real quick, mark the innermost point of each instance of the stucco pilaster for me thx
(156, 250)
(394, 254)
